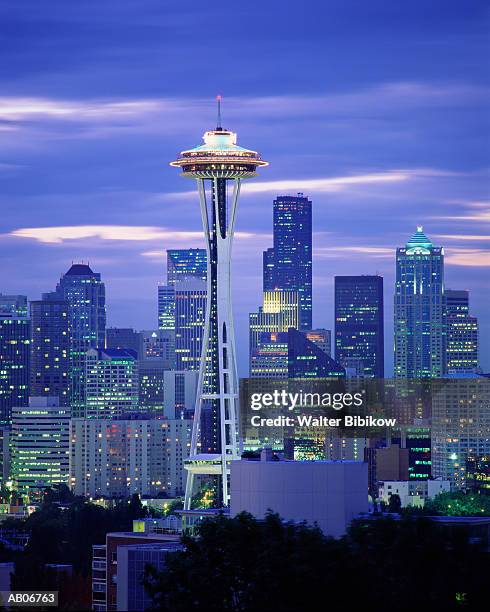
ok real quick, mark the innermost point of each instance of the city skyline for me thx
(398, 142)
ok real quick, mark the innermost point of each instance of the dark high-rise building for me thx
(85, 293)
(288, 265)
(190, 314)
(416, 439)
(50, 348)
(151, 374)
(322, 338)
(13, 306)
(125, 338)
(279, 312)
(462, 334)
(185, 263)
(15, 333)
(359, 337)
(419, 317)
(166, 307)
(269, 358)
(182, 264)
(111, 383)
(307, 360)
(159, 343)
(293, 354)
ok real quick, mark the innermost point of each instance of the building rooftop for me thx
(114, 353)
(79, 269)
(419, 240)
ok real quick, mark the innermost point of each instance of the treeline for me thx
(245, 565)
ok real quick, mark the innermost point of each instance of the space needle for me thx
(219, 166)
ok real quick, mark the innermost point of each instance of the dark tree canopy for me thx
(245, 565)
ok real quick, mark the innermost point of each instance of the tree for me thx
(245, 565)
(395, 503)
(459, 504)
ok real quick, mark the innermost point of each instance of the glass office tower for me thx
(288, 265)
(419, 316)
(84, 291)
(359, 332)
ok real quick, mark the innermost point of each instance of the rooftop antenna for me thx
(218, 125)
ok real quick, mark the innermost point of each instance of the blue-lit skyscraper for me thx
(307, 360)
(190, 315)
(182, 264)
(359, 337)
(185, 263)
(85, 293)
(419, 317)
(166, 307)
(288, 265)
(15, 333)
(50, 348)
(462, 333)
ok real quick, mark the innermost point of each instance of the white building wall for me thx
(328, 493)
(116, 458)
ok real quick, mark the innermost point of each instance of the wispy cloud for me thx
(60, 234)
(468, 257)
(163, 114)
(29, 109)
(333, 252)
(483, 216)
(325, 184)
(462, 237)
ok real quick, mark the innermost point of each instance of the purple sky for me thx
(377, 112)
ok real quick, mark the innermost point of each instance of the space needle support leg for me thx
(228, 381)
(202, 366)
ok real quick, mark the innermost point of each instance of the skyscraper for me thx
(186, 263)
(50, 348)
(269, 359)
(462, 334)
(460, 425)
(279, 312)
(190, 316)
(40, 445)
(419, 321)
(159, 343)
(111, 380)
(182, 264)
(322, 338)
(179, 392)
(294, 354)
(13, 306)
(151, 373)
(216, 164)
(359, 337)
(166, 307)
(15, 333)
(118, 457)
(307, 360)
(85, 293)
(288, 265)
(125, 338)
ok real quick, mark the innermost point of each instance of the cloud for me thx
(325, 184)
(331, 252)
(313, 185)
(462, 237)
(483, 216)
(29, 109)
(165, 114)
(57, 235)
(468, 257)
